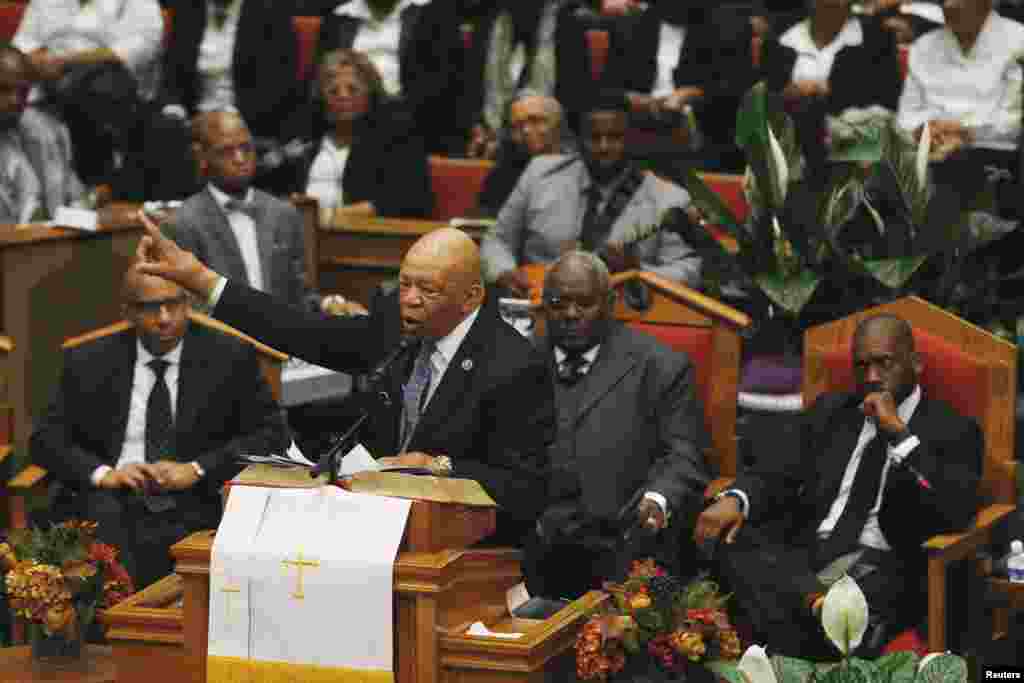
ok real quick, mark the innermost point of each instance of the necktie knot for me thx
(573, 367)
(159, 367)
(239, 206)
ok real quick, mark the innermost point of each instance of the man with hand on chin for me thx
(470, 397)
(869, 477)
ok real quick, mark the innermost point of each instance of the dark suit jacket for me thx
(572, 63)
(430, 55)
(639, 428)
(493, 412)
(387, 165)
(201, 227)
(224, 409)
(264, 68)
(715, 56)
(861, 75)
(804, 479)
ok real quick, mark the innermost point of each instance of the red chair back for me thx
(307, 30)
(456, 184)
(597, 43)
(10, 19)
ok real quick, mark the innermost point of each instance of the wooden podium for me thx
(441, 587)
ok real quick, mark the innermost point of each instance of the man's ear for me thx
(200, 157)
(917, 363)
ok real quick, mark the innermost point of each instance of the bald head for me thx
(135, 283)
(578, 301)
(157, 307)
(889, 326)
(439, 283)
(223, 147)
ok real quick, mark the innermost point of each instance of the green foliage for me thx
(945, 668)
(900, 667)
(792, 670)
(726, 669)
(54, 546)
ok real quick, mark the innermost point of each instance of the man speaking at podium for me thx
(469, 396)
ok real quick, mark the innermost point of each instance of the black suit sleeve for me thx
(350, 345)
(679, 471)
(259, 427)
(55, 443)
(520, 425)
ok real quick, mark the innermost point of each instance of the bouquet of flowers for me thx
(56, 578)
(653, 612)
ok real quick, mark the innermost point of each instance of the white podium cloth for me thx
(301, 584)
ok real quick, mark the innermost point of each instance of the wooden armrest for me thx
(6, 343)
(215, 324)
(717, 486)
(691, 297)
(28, 477)
(956, 546)
(114, 328)
(5, 451)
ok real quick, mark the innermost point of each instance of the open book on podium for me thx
(446, 512)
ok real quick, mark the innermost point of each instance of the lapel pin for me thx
(467, 365)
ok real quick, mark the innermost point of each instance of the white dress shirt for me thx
(216, 55)
(244, 230)
(670, 45)
(980, 89)
(326, 172)
(379, 39)
(133, 451)
(133, 29)
(814, 63)
(590, 356)
(445, 349)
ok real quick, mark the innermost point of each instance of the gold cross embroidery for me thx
(228, 592)
(300, 565)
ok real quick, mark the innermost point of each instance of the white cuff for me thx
(904, 448)
(744, 501)
(175, 110)
(660, 500)
(97, 474)
(218, 289)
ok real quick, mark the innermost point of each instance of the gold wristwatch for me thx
(442, 466)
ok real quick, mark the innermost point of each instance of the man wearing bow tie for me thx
(236, 229)
(630, 444)
(468, 396)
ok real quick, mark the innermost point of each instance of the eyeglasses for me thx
(152, 308)
(558, 304)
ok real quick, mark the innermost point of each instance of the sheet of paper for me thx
(516, 596)
(478, 629)
(358, 460)
(295, 455)
(83, 219)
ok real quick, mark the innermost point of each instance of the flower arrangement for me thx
(653, 612)
(56, 578)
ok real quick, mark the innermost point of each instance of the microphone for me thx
(382, 368)
(922, 481)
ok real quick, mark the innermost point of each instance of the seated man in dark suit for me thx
(236, 229)
(869, 478)
(146, 425)
(630, 443)
(462, 393)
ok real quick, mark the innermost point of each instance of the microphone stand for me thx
(330, 459)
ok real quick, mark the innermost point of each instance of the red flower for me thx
(103, 553)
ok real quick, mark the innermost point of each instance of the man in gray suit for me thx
(235, 229)
(629, 451)
(599, 200)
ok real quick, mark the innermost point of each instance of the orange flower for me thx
(85, 526)
(59, 617)
(8, 560)
(729, 645)
(690, 644)
(640, 601)
(78, 569)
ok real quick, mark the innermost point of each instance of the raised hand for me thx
(158, 255)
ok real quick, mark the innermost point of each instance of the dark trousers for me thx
(142, 537)
(770, 580)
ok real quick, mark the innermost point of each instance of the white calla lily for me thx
(844, 614)
(929, 657)
(924, 146)
(755, 666)
(781, 168)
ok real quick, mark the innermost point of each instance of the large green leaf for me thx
(900, 667)
(792, 670)
(726, 668)
(839, 204)
(900, 161)
(751, 117)
(894, 273)
(711, 205)
(945, 668)
(792, 293)
(865, 145)
(845, 673)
